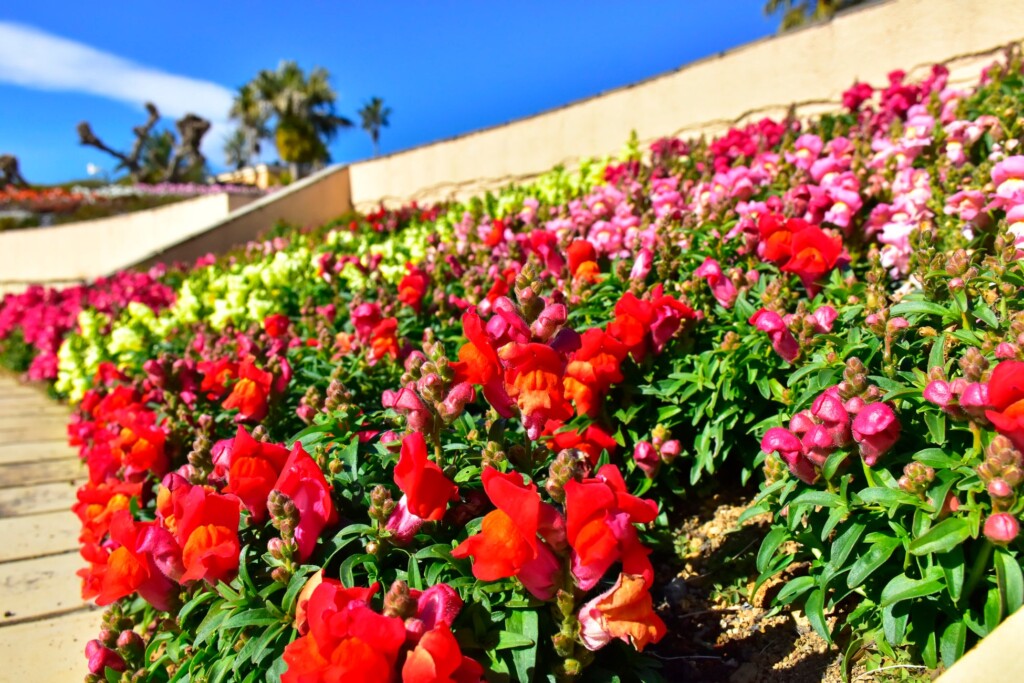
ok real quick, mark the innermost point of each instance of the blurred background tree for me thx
(796, 13)
(295, 110)
(374, 116)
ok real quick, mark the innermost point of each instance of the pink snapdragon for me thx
(722, 287)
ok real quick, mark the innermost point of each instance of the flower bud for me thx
(275, 547)
(550, 319)
(670, 450)
(658, 435)
(999, 489)
(939, 393)
(381, 504)
(398, 602)
(647, 458)
(973, 364)
(916, 479)
(130, 645)
(1001, 528)
(431, 387)
(569, 464)
(102, 658)
(1006, 351)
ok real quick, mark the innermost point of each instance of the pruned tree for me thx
(10, 174)
(191, 129)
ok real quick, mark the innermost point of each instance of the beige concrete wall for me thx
(309, 202)
(78, 251)
(181, 232)
(809, 68)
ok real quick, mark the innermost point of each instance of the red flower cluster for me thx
(413, 287)
(118, 437)
(532, 541)
(347, 640)
(251, 388)
(379, 335)
(544, 369)
(195, 538)
(800, 248)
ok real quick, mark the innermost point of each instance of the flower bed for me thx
(455, 443)
(26, 208)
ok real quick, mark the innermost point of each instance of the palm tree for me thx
(238, 149)
(302, 110)
(253, 116)
(796, 13)
(374, 116)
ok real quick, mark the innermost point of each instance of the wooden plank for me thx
(50, 651)
(30, 589)
(37, 535)
(15, 393)
(32, 419)
(30, 500)
(32, 432)
(45, 472)
(35, 451)
(34, 410)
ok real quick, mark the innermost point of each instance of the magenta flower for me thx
(722, 287)
(782, 339)
(791, 450)
(875, 429)
(647, 458)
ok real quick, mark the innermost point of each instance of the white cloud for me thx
(35, 59)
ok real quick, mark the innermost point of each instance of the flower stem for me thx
(977, 570)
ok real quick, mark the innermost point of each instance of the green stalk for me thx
(977, 570)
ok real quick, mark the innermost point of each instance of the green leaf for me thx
(935, 457)
(993, 609)
(818, 498)
(894, 624)
(985, 315)
(771, 543)
(942, 537)
(883, 495)
(794, 589)
(936, 357)
(875, 557)
(922, 308)
(415, 579)
(295, 584)
(936, 427)
(527, 624)
(251, 617)
(902, 587)
(953, 642)
(952, 564)
(508, 640)
(350, 456)
(815, 608)
(844, 544)
(1010, 580)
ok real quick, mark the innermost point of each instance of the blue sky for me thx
(444, 67)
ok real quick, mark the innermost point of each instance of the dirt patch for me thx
(718, 630)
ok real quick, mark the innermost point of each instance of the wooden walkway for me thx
(44, 624)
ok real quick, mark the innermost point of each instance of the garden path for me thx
(44, 624)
